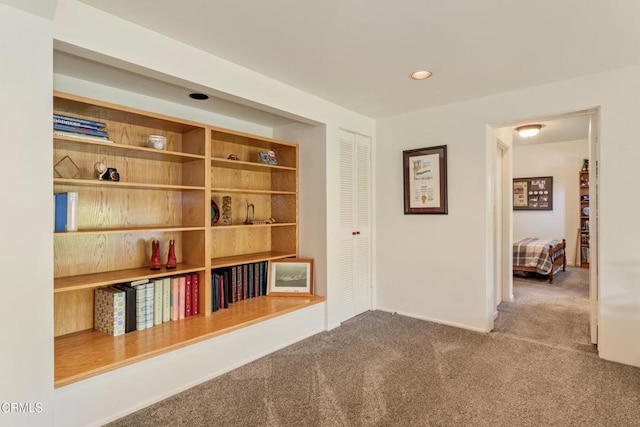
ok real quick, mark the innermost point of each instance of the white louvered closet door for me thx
(355, 224)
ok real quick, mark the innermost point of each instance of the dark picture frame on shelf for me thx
(533, 194)
(425, 180)
(291, 277)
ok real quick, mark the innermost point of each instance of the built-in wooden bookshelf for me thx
(164, 195)
(584, 219)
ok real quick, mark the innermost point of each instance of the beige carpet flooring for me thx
(381, 369)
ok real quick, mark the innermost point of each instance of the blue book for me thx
(92, 123)
(86, 131)
(60, 223)
(73, 123)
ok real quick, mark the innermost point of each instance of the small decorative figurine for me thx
(171, 258)
(155, 255)
(251, 212)
(232, 157)
(226, 210)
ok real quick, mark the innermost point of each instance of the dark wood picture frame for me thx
(533, 194)
(425, 180)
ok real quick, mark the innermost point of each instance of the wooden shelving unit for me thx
(584, 219)
(164, 195)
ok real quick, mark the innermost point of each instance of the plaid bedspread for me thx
(533, 252)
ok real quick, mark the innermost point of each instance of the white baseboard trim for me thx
(440, 321)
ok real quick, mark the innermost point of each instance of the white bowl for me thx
(158, 142)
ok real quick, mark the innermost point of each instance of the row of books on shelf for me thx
(145, 303)
(65, 211)
(237, 283)
(78, 127)
(584, 256)
(584, 239)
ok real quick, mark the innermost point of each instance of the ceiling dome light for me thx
(198, 96)
(421, 75)
(527, 131)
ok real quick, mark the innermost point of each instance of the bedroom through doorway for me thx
(561, 313)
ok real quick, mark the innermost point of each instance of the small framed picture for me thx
(291, 277)
(268, 158)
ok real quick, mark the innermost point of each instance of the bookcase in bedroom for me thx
(584, 219)
(163, 195)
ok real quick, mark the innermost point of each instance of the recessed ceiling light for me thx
(421, 75)
(198, 96)
(528, 131)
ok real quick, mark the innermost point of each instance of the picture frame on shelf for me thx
(291, 277)
(533, 194)
(268, 158)
(425, 180)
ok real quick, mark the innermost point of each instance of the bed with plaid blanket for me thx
(533, 253)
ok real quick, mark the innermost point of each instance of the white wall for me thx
(435, 267)
(26, 253)
(562, 161)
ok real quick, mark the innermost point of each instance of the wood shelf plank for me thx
(247, 191)
(239, 164)
(248, 258)
(153, 228)
(277, 224)
(121, 184)
(88, 353)
(96, 280)
(112, 148)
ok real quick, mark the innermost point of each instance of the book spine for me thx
(181, 302)
(175, 298)
(84, 131)
(119, 312)
(256, 279)
(86, 122)
(245, 281)
(187, 295)
(72, 211)
(250, 281)
(195, 294)
(148, 303)
(166, 299)
(157, 301)
(80, 135)
(234, 283)
(130, 307)
(221, 292)
(141, 312)
(215, 279)
(61, 212)
(65, 122)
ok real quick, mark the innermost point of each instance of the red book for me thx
(195, 293)
(187, 295)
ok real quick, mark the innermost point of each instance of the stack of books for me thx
(146, 303)
(79, 128)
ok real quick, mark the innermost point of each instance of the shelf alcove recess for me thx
(164, 195)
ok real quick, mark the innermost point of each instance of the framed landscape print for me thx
(291, 276)
(533, 194)
(425, 180)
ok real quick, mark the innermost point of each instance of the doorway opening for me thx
(565, 312)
